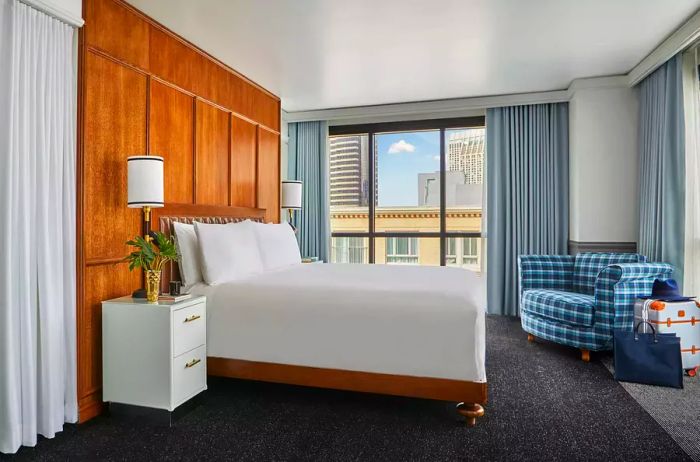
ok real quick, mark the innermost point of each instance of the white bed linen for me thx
(228, 251)
(405, 320)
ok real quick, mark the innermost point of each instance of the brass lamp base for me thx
(290, 212)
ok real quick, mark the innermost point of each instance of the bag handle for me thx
(653, 330)
(645, 310)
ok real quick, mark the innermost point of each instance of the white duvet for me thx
(405, 320)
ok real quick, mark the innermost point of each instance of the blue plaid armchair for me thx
(578, 301)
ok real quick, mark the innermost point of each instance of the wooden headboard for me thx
(162, 219)
(142, 89)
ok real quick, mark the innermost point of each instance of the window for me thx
(349, 250)
(402, 250)
(451, 255)
(408, 192)
(470, 251)
(464, 252)
(408, 181)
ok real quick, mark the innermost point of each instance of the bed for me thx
(365, 328)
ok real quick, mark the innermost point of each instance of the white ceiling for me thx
(318, 54)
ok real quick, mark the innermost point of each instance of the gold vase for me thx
(152, 285)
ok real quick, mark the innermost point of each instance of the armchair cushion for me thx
(567, 307)
(588, 265)
(546, 272)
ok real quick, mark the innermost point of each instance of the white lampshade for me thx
(145, 181)
(291, 194)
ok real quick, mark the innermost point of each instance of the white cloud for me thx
(401, 146)
(436, 157)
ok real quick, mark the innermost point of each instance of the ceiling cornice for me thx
(685, 36)
(438, 109)
(462, 107)
(597, 83)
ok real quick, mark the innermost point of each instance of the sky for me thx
(401, 157)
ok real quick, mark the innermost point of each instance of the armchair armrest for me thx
(618, 286)
(628, 272)
(546, 272)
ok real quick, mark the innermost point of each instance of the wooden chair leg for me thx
(470, 411)
(585, 355)
(530, 338)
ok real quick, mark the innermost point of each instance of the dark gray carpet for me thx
(545, 404)
(677, 411)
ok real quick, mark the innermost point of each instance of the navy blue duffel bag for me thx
(654, 359)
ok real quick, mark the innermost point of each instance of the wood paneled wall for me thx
(143, 89)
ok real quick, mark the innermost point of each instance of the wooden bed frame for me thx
(471, 395)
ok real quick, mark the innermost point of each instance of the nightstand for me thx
(154, 355)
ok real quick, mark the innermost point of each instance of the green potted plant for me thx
(151, 255)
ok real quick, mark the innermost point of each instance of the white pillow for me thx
(188, 250)
(278, 245)
(229, 251)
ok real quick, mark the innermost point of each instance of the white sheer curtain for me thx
(37, 225)
(691, 102)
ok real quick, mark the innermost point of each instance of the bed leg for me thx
(585, 355)
(530, 338)
(470, 411)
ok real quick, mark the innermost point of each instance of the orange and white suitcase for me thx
(680, 318)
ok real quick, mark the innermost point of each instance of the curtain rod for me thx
(55, 11)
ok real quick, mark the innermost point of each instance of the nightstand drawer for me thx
(189, 328)
(189, 374)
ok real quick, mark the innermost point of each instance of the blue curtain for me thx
(527, 167)
(662, 166)
(307, 161)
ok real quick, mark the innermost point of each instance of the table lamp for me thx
(291, 198)
(145, 175)
(145, 191)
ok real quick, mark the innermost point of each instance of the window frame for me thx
(373, 129)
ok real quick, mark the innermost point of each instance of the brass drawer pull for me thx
(194, 317)
(192, 363)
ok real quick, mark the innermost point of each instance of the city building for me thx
(458, 193)
(349, 171)
(465, 153)
(461, 251)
